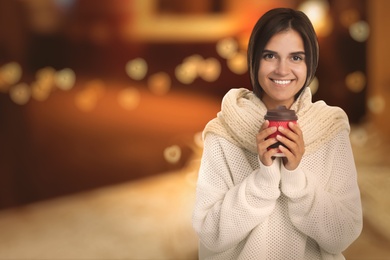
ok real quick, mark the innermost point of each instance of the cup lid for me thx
(281, 113)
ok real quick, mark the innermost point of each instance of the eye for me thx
(268, 56)
(297, 58)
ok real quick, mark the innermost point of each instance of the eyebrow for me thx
(293, 53)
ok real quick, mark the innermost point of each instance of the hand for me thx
(265, 155)
(293, 140)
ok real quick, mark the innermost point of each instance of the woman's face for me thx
(283, 71)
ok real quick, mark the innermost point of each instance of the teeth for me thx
(282, 82)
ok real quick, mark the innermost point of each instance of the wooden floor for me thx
(151, 218)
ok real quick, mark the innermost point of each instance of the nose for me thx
(282, 68)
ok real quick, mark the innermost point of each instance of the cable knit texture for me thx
(245, 210)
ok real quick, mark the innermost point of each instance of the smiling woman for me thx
(241, 180)
(282, 73)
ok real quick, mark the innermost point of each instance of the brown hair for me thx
(273, 22)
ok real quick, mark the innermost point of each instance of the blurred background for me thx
(102, 103)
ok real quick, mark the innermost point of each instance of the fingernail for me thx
(281, 128)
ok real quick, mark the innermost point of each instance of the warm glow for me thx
(317, 11)
(65, 79)
(349, 17)
(20, 94)
(227, 48)
(159, 83)
(129, 98)
(172, 154)
(198, 139)
(40, 91)
(10, 74)
(314, 85)
(87, 99)
(210, 69)
(238, 63)
(187, 72)
(359, 31)
(376, 104)
(44, 84)
(356, 81)
(137, 68)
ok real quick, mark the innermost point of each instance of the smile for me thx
(282, 82)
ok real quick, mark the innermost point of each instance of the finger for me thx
(268, 157)
(264, 134)
(267, 143)
(289, 133)
(295, 128)
(287, 142)
(264, 126)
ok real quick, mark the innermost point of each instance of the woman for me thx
(253, 205)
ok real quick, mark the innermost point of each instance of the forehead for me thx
(286, 41)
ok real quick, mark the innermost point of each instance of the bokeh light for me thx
(10, 74)
(187, 71)
(317, 11)
(20, 93)
(376, 104)
(44, 84)
(87, 99)
(159, 83)
(238, 63)
(355, 81)
(360, 31)
(227, 48)
(65, 79)
(210, 70)
(172, 154)
(137, 68)
(314, 84)
(129, 98)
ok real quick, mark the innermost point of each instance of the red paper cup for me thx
(280, 117)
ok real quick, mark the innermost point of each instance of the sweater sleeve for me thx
(231, 197)
(324, 198)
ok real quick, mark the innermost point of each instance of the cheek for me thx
(264, 71)
(301, 72)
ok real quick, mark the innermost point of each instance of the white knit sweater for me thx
(245, 210)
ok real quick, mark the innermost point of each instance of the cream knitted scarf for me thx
(242, 114)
